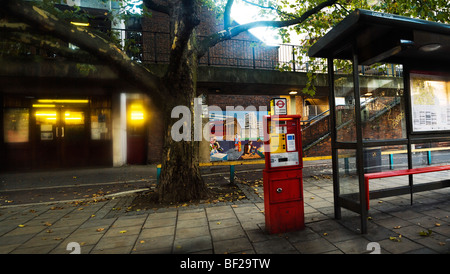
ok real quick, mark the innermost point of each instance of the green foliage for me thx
(319, 24)
(310, 30)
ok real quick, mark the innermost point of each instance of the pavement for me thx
(105, 226)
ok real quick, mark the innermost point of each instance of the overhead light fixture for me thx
(44, 105)
(293, 92)
(80, 24)
(430, 47)
(69, 101)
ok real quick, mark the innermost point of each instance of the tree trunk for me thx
(180, 179)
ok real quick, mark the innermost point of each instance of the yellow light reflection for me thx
(46, 116)
(80, 24)
(74, 117)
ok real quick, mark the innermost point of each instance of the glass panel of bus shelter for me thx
(430, 154)
(345, 102)
(348, 174)
(382, 106)
(386, 158)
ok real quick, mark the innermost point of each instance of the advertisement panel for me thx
(430, 102)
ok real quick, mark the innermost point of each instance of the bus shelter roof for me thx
(380, 37)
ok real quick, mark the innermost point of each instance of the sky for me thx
(244, 13)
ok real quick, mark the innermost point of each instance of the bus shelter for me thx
(387, 130)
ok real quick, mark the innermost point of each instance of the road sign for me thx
(278, 106)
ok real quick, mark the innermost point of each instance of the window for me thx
(16, 125)
(100, 124)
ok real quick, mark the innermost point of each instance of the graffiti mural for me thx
(236, 135)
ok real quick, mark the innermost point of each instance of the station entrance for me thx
(52, 133)
(60, 133)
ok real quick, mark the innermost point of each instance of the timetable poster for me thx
(430, 102)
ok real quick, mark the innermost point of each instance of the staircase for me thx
(317, 129)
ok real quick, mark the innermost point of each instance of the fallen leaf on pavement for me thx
(425, 233)
(394, 239)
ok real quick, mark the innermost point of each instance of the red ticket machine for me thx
(283, 182)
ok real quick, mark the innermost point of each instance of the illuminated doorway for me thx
(136, 130)
(61, 134)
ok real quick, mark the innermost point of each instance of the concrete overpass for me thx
(217, 80)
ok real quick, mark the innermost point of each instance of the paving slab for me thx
(231, 228)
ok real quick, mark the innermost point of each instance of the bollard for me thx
(231, 173)
(391, 161)
(158, 173)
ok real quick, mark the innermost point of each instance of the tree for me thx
(180, 178)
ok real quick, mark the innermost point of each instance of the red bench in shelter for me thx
(394, 173)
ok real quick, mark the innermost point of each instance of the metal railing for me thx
(154, 47)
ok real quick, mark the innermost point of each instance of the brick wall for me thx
(244, 50)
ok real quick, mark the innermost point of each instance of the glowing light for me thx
(45, 114)
(68, 101)
(137, 115)
(43, 105)
(137, 112)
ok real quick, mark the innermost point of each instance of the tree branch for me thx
(88, 41)
(52, 46)
(150, 4)
(226, 14)
(234, 31)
